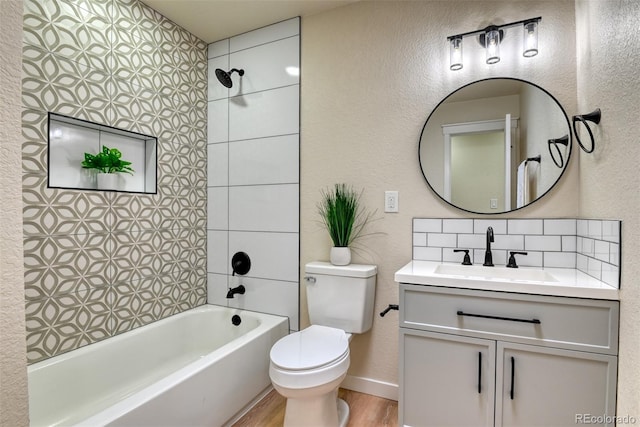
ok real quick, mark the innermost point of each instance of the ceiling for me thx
(213, 20)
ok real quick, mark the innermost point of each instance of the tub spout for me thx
(237, 290)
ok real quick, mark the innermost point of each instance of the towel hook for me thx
(564, 140)
(593, 117)
(537, 158)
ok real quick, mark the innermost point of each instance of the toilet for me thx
(307, 367)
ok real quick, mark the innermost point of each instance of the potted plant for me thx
(344, 219)
(109, 164)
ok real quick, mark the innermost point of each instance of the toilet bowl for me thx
(307, 367)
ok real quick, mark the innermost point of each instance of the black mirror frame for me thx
(566, 164)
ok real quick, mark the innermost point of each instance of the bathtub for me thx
(192, 369)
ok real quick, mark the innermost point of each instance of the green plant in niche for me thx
(107, 161)
(342, 214)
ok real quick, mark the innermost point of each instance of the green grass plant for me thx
(342, 214)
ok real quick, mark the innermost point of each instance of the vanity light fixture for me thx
(491, 37)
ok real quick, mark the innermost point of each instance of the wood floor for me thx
(365, 411)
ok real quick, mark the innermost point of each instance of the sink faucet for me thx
(488, 258)
(237, 290)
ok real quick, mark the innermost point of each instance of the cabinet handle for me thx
(479, 372)
(513, 376)
(511, 319)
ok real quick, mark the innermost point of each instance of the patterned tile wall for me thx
(101, 263)
(591, 246)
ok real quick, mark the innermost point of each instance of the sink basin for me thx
(495, 273)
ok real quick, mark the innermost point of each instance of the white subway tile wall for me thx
(254, 171)
(589, 245)
(218, 119)
(499, 226)
(218, 48)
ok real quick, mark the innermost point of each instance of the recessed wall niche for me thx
(71, 138)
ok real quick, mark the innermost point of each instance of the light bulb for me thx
(455, 54)
(530, 39)
(492, 43)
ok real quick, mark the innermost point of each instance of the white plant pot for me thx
(340, 255)
(109, 181)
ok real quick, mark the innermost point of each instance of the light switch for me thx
(391, 201)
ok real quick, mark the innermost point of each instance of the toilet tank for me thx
(341, 296)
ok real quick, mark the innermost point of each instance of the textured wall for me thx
(13, 369)
(608, 42)
(371, 74)
(101, 263)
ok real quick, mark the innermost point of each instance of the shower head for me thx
(225, 77)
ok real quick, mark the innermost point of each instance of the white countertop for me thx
(569, 282)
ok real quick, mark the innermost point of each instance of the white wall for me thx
(253, 175)
(608, 60)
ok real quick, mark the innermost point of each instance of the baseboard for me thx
(370, 386)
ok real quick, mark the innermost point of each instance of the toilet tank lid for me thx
(351, 270)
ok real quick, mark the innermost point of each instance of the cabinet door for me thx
(538, 386)
(446, 380)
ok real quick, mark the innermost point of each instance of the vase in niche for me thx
(109, 181)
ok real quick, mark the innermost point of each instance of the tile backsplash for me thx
(589, 245)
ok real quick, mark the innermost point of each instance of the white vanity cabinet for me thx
(485, 358)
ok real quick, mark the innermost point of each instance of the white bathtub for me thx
(192, 369)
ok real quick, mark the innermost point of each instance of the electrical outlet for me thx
(391, 201)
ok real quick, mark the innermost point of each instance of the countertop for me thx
(569, 282)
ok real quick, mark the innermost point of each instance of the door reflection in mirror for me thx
(479, 157)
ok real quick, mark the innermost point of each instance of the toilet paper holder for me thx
(389, 308)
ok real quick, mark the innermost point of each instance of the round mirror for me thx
(495, 145)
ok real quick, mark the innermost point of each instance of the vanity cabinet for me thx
(446, 380)
(484, 358)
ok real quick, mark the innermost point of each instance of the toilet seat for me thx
(310, 358)
(311, 348)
